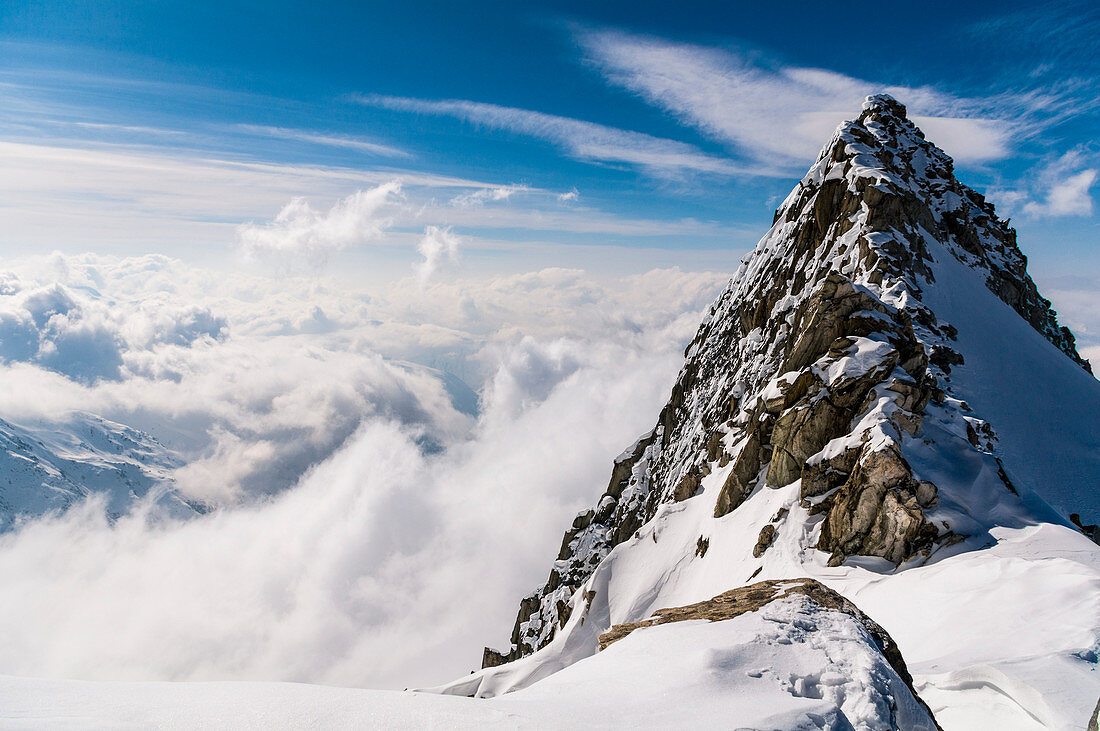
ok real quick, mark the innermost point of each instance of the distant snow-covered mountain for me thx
(49, 468)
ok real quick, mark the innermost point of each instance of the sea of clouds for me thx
(389, 469)
(375, 522)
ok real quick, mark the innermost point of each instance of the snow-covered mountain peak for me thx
(874, 395)
(882, 162)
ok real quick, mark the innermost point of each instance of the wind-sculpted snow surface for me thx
(841, 406)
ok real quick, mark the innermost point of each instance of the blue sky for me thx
(613, 138)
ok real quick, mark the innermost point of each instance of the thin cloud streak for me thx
(59, 196)
(582, 140)
(316, 138)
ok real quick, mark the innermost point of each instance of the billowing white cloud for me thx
(351, 577)
(1066, 196)
(436, 246)
(301, 233)
(253, 379)
(347, 571)
(781, 114)
(580, 139)
(83, 338)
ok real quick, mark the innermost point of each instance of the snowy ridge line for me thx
(831, 232)
(756, 596)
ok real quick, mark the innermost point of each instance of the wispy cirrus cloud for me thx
(478, 198)
(76, 195)
(772, 112)
(328, 140)
(1057, 37)
(582, 140)
(1059, 187)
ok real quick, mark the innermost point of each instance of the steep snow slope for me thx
(1025, 609)
(879, 400)
(1043, 407)
(49, 468)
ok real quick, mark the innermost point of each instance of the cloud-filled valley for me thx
(356, 483)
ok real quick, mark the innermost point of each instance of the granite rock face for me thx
(820, 362)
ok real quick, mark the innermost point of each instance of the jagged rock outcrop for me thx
(820, 362)
(877, 511)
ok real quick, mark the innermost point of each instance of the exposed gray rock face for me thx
(818, 362)
(876, 512)
(764, 540)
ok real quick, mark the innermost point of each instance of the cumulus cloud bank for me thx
(348, 574)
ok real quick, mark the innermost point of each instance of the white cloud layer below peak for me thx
(254, 378)
(359, 493)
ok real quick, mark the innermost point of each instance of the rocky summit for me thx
(854, 407)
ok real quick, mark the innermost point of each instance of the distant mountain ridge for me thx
(49, 468)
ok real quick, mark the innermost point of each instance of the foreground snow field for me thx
(1004, 634)
(789, 665)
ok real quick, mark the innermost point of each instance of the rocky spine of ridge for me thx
(815, 361)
